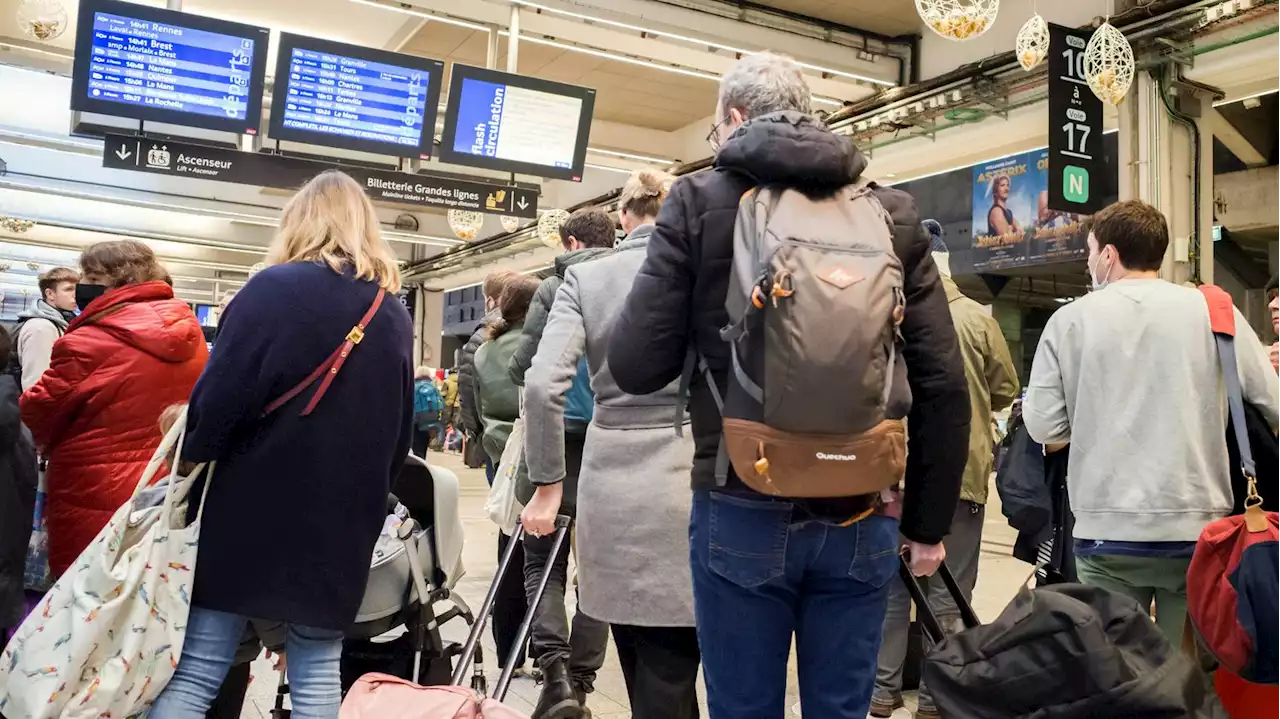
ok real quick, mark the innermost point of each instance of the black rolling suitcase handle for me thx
(924, 613)
(482, 617)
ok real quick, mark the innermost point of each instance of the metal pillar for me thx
(513, 39)
(173, 4)
(491, 57)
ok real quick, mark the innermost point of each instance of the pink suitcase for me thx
(382, 696)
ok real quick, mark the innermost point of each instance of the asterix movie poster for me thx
(1012, 223)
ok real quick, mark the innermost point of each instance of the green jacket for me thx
(497, 396)
(992, 381)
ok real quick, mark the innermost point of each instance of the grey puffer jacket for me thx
(540, 308)
(466, 377)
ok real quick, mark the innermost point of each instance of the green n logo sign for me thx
(1075, 184)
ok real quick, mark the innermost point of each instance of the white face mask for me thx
(1099, 282)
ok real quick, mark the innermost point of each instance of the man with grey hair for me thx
(767, 569)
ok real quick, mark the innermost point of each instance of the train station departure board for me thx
(357, 98)
(152, 64)
(514, 123)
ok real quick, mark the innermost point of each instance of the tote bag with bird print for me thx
(106, 639)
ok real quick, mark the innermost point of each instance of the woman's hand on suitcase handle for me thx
(539, 516)
(925, 558)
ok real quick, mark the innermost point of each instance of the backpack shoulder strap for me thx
(329, 368)
(1222, 321)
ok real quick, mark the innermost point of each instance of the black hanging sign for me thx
(1075, 126)
(202, 162)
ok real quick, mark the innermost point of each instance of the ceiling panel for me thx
(887, 17)
(625, 92)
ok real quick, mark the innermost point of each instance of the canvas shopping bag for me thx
(502, 507)
(108, 635)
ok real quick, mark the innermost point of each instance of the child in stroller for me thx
(419, 553)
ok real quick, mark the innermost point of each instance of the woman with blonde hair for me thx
(307, 409)
(632, 507)
(133, 350)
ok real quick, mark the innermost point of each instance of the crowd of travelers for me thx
(647, 394)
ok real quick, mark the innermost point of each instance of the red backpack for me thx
(1233, 582)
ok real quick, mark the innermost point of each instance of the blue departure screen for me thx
(518, 124)
(331, 94)
(169, 67)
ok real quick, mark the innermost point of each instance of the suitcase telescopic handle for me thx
(526, 624)
(486, 608)
(924, 613)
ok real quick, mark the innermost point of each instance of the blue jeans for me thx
(315, 683)
(759, 577)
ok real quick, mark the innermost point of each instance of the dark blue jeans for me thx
(761, 575)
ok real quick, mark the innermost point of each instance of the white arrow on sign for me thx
(123, 153)
(522, 204)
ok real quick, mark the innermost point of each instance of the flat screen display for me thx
(513, 123)
(357, 98)
(152, 64)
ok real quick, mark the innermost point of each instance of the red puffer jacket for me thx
(94, 413)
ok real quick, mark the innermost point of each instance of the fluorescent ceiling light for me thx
(607, 168)
(407, 10)
(38, 50)
(614, 56)
(1234, 100)
(691, 40)
(422, 239)
(183, 278)
(631, 156)
(828, 100)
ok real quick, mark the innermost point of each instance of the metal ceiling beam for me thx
(1235, 141)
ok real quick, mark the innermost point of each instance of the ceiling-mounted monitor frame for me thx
(81, 101)
(433, 69)
(460, 73)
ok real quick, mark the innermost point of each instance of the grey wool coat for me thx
(633, 491)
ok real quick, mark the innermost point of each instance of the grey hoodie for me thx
(39, 328)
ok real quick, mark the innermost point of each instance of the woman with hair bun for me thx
(133, 351)
(632, 507)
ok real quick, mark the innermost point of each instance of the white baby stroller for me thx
(419, 552)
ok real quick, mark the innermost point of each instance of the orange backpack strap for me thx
(1222, 315)
(329, 368)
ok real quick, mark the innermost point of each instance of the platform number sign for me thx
(1075, 126)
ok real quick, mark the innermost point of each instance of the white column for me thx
(428, 326)
(513, 39)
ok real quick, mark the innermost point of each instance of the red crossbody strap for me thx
(329, 368)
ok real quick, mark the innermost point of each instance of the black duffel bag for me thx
(1066, 651)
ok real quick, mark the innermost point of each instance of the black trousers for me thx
(660, 666)
(510, 605)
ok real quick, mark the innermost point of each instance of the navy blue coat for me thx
(297, 502)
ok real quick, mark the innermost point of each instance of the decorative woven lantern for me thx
(1108, 64)
(958, 19)
(549, 227)
(1032, 45)
(466, 224)
(509, 223)
(43, 20)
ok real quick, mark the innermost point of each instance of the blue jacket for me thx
(296, 502)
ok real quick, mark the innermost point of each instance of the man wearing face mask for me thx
(1129, 375)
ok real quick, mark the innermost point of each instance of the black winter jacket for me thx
(470, 408)
(678, 300)
(18, 481)
(540, 309)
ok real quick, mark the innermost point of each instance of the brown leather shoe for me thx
(882, 707)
